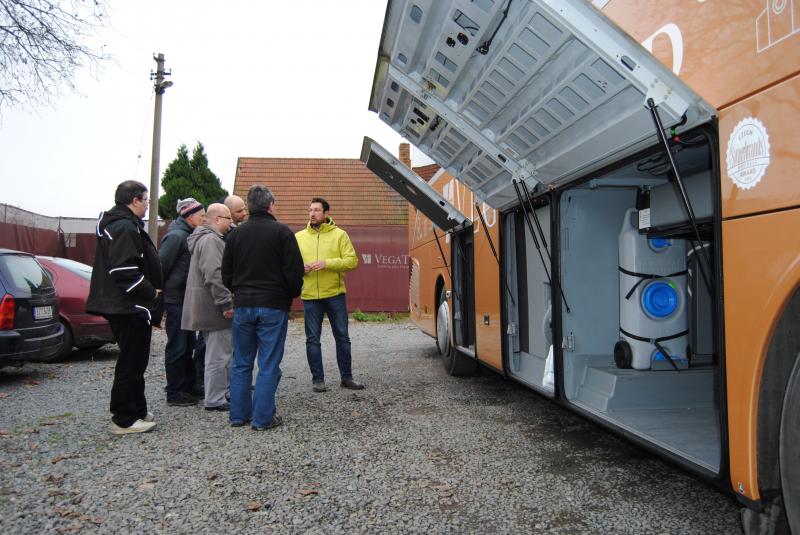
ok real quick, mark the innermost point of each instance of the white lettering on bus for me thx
(672, 31)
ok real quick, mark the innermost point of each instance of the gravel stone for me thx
(416, 452)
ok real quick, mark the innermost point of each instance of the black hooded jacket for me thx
(126, 270)
(175, 259)
(261, 264)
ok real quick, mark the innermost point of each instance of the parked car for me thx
(82, 330)
(29, 326)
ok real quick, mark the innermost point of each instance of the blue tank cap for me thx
(660, 299)
(659, 244)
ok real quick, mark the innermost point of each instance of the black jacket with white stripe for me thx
(126, 271)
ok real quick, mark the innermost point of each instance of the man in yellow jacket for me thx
(327, 255)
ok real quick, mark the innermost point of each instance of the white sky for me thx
(251, 78)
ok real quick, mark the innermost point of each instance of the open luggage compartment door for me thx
(544, 91)
(413, 188)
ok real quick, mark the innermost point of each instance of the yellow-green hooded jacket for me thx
(331, 244)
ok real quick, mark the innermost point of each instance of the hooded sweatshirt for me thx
(126, 270)
(331, 244)
(206, 297)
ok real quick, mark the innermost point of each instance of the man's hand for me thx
(228, 314)
(315, 266)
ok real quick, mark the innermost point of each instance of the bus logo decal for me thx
(748, 153)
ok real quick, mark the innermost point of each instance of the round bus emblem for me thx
(748, 153)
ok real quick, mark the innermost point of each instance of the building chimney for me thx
(405, 154)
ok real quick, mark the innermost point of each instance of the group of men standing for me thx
(229, 277)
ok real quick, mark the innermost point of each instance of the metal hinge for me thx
(512, 329)
(568, 344)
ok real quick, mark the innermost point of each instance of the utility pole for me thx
(160, 86)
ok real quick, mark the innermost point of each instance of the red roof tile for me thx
(426, 172)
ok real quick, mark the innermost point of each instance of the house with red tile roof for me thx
(374, 216)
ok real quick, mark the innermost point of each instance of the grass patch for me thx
(358, 315)
(50, 419)
(377, 317)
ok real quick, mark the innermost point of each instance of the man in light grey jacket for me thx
(208, 304)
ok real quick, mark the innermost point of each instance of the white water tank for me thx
(652, 299)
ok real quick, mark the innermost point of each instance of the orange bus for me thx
(615, 223)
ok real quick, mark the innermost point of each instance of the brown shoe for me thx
(352, 385)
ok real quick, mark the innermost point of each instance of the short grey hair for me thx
(259, 199)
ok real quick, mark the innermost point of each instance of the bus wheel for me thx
(790, 449)
(455, 362)
(443, 324)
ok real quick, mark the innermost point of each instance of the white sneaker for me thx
(149, 418)
(139, 426)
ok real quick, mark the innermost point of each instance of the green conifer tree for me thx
(186, 177)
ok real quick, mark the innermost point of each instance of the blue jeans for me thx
(178, 362)
(336, 309)
(258, 330)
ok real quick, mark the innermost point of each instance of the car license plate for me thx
(42, 313)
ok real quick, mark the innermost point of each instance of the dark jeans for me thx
(128, 403)
(336, 309)
(257, 332)
(178, 353)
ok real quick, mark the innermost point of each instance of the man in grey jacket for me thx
(208, 304)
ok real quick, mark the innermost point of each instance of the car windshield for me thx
(77, 268)
(24, 274)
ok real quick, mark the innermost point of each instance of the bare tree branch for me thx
(42, 44)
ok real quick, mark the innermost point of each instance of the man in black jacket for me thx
(263, 268)
(126, 280)
(181, 386)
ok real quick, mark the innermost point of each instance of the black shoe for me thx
(319, 386)
(240, 424)
(194, 393)
(352, 385)
(221, 408)
(182, 399)
(276, 421)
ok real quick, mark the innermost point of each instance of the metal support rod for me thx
(687, 204)
(536, 242)
(535, 217)
(160, 86)
(494, 252)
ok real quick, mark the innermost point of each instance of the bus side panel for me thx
(761, 271)
(761, 172)
(488, 285)
(744, 43)
(426, 258)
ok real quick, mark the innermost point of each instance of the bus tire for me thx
(442, 323)
(789, 453)
(456, 363)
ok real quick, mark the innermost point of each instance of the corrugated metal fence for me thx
(380, 283)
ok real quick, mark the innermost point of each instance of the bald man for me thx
(238, 209)
(208, 304)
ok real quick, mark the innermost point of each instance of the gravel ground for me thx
(416, 452)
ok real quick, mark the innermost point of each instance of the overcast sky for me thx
(251, 78)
